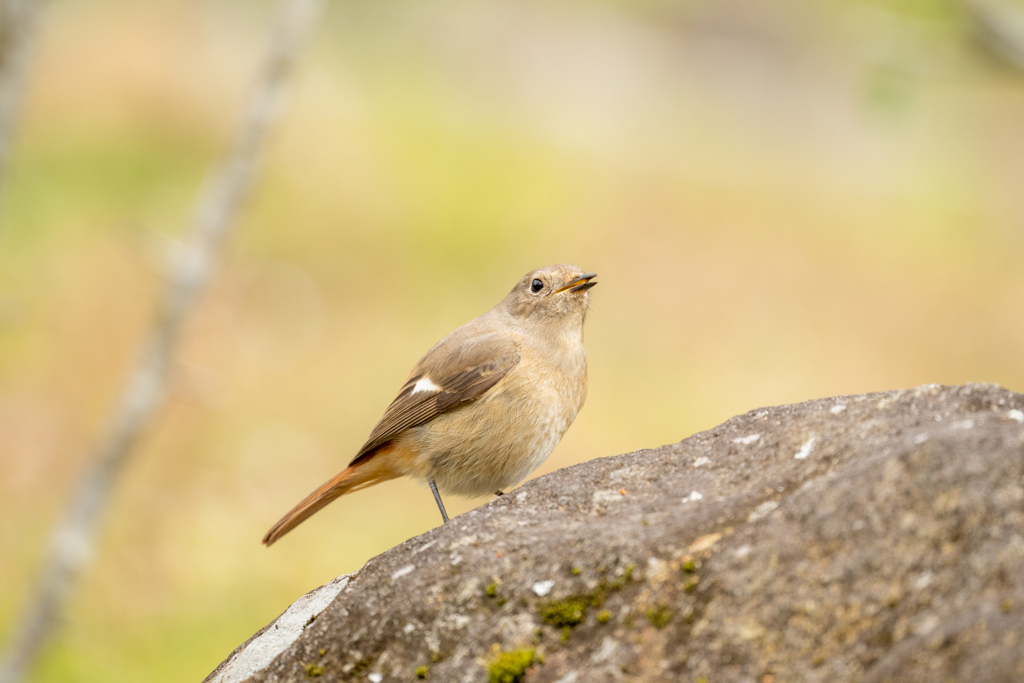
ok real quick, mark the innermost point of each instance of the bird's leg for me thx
(500, 493)
(437, 497)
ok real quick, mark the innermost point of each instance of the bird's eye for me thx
(536, 286)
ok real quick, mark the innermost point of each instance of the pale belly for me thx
(492, 444)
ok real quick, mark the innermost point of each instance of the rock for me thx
(859, 538)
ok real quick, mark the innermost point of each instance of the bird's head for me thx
(551, 294)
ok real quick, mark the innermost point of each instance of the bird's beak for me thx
(580, 284)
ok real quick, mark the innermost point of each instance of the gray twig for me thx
(17, 26)
(71, 544)
(1000, 26)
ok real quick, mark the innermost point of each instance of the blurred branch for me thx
(17, 24)
(1000, 26)
(71, 545)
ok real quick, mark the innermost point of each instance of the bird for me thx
(485, 406)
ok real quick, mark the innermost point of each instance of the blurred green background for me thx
(784, 199)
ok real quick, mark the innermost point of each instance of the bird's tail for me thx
(353, 478)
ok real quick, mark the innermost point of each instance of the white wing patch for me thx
(425, 385)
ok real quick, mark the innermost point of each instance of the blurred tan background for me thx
(784, 199)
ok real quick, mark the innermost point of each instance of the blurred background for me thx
(784, 200)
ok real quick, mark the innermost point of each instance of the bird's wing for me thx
(449, 375)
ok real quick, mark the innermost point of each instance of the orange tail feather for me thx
(353, 478)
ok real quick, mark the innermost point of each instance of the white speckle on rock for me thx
(742, 551)
(1015, 414)
(762, 510)
(570, 677)
(542, 588)
(924, 580)
(692, 496)
(926, 625)
(838, 408)
(424, 547)
(519, 628)
(409, 628)
(608, 648)
(606, 496)
(263, 649)
(658, 571)
(747, 629)
(407, 569)
(375, 677)
(621, 473)
(520, 497)
(701, 461)
(464, 541)
(747, 440)
(921, 438)
(805, 450)
(964, 424)
(470, 589)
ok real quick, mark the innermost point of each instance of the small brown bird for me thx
(486, 405)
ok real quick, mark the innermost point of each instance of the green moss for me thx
(600, 593)
(313, 670)
(659, 616)
(603, 616)
(421, 672)
(575, 571)
(573, 610)
(568, 612)
(689, 567)
(691, 584)
(492, 589)
(566, 630)
(509, 667)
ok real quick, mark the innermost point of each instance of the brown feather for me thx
(463, 372)
(353, 478)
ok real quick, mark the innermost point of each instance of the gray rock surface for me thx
(858, 538)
